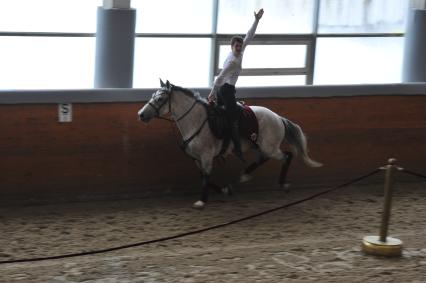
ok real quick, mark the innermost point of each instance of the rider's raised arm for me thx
(250, 34)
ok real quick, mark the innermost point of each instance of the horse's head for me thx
(158, 105)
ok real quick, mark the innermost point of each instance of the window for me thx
(46, 63)
(373, 16)
(284, 40)
(51, 43)
(270, 56)
(271, 64)
(171, 16)
(49, 15)
(358, 60)
(49, 61)
(281, 16)
(182, 61)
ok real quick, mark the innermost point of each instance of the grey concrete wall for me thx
(140, 95)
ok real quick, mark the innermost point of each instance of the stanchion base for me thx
(372, 245)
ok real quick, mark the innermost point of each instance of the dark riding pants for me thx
(226, 97)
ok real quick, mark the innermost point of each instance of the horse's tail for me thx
(297, 140)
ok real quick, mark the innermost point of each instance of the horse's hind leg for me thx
(288, 156)
(285, 158)
(215, 187)
(226, 190)
(245, 176)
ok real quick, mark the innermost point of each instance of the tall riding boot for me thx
(235, 136)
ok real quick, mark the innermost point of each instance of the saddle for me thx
(247, 123)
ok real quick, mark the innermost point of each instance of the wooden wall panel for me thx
(106, 149)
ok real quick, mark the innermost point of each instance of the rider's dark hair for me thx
(236, 38)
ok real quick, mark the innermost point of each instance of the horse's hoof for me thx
(245, 178)
(199, 204)
(285, 187)
(227, 190)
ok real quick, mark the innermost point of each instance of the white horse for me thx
(188, 111)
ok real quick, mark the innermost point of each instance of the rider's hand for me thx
(210, 98)
(259, 14)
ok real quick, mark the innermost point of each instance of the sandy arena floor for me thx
(318, 240)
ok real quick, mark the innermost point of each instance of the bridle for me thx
(157, 109)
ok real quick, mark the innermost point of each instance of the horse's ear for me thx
(167, 84)
(162, 84)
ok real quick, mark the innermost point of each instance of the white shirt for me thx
(233, 64)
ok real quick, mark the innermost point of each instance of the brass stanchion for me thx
(382, 244)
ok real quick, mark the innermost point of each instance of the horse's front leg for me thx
(205, 166)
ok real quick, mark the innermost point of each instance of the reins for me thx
(187, 112)
(184, 143)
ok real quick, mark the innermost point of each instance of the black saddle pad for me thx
(218, 123)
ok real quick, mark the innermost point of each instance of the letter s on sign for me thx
(65, 112)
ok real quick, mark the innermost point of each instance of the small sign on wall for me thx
(65, 112)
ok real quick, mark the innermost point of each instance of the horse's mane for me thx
(190, 93)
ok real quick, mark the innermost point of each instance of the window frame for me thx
(270, 39)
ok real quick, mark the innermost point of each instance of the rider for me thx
(224, 85)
